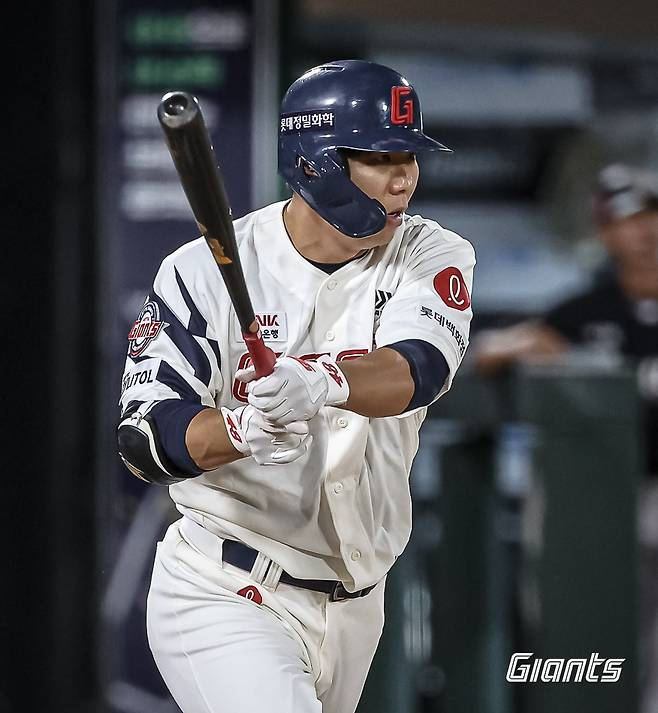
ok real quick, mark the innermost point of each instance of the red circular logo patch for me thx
(451, 288)
(252, 594)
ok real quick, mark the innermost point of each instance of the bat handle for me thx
(262, 357)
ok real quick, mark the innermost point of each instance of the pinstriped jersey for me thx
(343, 510)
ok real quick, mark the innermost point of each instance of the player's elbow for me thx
(428, 368)
(144, 451)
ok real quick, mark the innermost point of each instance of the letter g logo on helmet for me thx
(402, 112)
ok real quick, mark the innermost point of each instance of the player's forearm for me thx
(498, 348)
(380, 383)
(207, 440)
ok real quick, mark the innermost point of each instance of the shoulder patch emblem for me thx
(147, 327)
(451, 288)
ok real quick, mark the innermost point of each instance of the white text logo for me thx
(595, 669)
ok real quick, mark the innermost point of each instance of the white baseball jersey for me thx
(343, 510)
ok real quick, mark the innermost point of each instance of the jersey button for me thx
(355, 555)
(338, 488)
(332, 284)
(330, 335)
(342, 421)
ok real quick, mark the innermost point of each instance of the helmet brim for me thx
(412, 141)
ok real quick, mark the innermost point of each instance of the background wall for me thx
(605, 18)
(49, 596)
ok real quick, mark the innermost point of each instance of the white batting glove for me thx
(297, 389)
(252, 434)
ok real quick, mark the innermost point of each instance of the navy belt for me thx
(242, 556)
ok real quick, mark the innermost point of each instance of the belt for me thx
(240, 555)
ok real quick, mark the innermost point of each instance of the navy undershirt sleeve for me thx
(428, 367)
(172, 417)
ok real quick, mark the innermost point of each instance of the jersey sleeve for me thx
(433, 300)
(172, 350)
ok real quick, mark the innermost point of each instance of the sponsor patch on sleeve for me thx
(427, 313)
(144, 375)
(451, 288)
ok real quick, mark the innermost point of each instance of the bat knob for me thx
(175, 103)
(177, 109)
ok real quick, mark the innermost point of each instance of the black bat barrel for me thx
(189, 144)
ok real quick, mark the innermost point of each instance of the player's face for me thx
(389, 177)
(633, 241)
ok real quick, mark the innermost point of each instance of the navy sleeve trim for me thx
(171, 418)
(428, 367)
(168, 376)
(198, 324)
(185, 341)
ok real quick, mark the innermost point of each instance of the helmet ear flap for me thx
(311, 173)
(342, 157)
(324, 183)
(306, 167)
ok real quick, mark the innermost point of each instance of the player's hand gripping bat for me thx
(190, 148)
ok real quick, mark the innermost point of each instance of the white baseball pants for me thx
(221, 652)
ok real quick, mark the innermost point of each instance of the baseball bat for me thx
(189, 144)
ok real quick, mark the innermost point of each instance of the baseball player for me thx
(268, 593)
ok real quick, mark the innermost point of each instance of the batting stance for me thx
(293, 488)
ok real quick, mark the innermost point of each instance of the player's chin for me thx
(383, 237)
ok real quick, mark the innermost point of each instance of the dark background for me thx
(48, 580)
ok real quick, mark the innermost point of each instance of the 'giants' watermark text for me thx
(596, 669)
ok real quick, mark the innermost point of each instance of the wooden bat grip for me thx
(262, 357)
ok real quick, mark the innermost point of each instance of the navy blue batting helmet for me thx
(349, 104)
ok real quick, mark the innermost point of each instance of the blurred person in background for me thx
(618, 317)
